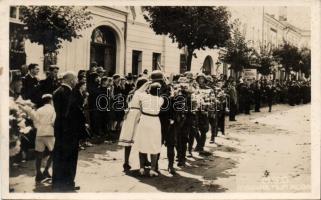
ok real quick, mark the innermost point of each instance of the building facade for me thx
(121, 41)
(269, 27)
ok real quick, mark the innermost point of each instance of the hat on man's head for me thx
(189, 75)
(100, 70)
(93, 64)
(200, 75)
(53, 67)
(116, 76)
(129, 76)
(157, 75)
(209, 78)
(45, 96)
(183, 80)
(145, 71)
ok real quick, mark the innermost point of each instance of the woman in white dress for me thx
(148, 133)
(131, 120)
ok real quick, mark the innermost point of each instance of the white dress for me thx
(128, 130)
(148, 133)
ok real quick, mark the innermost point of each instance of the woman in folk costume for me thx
(131, 120)
(148, 137)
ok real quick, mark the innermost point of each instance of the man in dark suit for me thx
(30, 85)
(50, 84)
(63, 178)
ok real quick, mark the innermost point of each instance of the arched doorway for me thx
(207, 65)
(103, 48)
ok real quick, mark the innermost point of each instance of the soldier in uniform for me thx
(247, 93)
(220, 110)
(212, 117)
(181, 108)
(232, 93)
(203, 122)
(168, 139)
(291, 93)
(256, 88)
(270, 92)
(192, 118)
(241, 92)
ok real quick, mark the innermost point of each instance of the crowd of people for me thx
(71, 111)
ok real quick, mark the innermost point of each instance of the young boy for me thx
(43, 119)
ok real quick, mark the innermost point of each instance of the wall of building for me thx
(75, 55)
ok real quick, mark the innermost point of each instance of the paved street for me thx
(261, 152)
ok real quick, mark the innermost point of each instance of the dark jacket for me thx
(75, 115)
(48, 85)
(61, 98)
(30, 89)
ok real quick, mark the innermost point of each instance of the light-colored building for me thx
(269, 27)
(121, 41)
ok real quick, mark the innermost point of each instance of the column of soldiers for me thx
(198, 105)
(255, 93)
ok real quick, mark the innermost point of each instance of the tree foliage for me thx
(289, 56)
(50, 25)
(305, 64)
(265, 60)
(237, 53)
(195, 28)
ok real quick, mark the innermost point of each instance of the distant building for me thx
(121, 41)
(269, 27)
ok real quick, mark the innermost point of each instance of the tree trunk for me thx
(189, 59)
(50, 58)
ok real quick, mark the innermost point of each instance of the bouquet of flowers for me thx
(17, 124)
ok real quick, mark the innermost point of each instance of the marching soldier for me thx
(181, 108)
(220, 110)
(168, 139)
(212, 117)
(247, 92)
(269, 93)
(203, 122)
(192, 118)
(256, 88)
(233, 100)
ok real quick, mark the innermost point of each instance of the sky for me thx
(297, 16)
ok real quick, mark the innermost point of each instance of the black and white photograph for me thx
(214, 99)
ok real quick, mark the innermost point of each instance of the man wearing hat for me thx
(212, 112)
(100, 71)
(203, 121)
(130, 82)
(165, 118)
(119, 96)
(182, 120)
(43, 119)
(145, 72)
